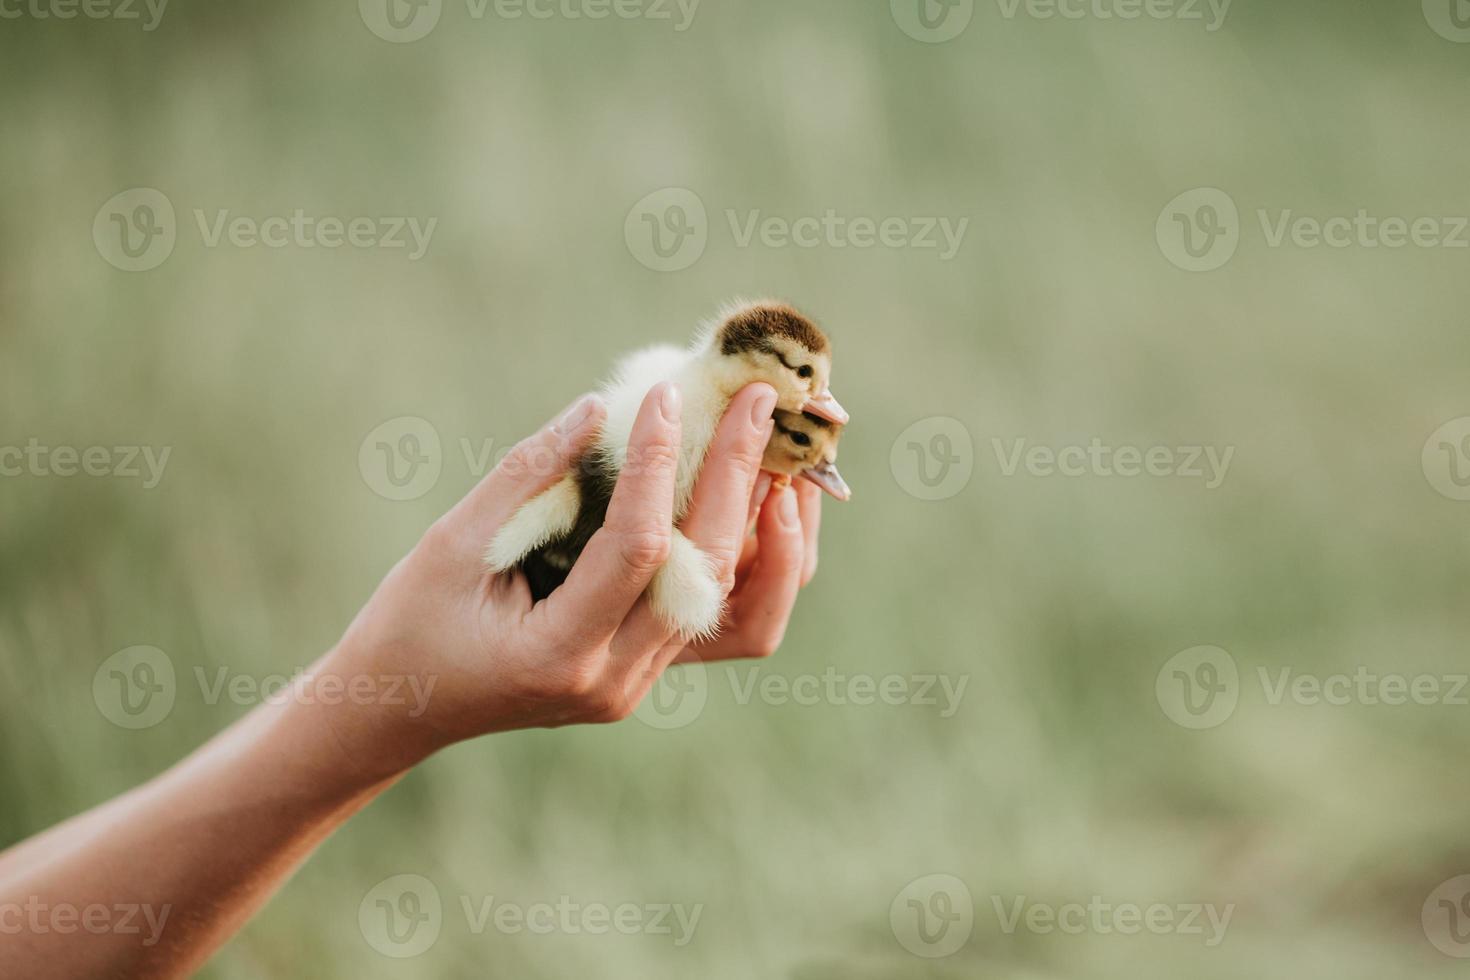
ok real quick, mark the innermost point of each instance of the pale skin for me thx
(212, 838)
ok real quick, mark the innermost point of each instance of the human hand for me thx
(592, 649)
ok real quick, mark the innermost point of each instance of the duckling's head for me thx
(805, 445)
(772, 342)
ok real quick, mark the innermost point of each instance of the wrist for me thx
(353, 727)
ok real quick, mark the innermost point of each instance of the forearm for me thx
(188, 857)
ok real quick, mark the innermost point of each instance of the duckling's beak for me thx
(825, 475)
(827, 407)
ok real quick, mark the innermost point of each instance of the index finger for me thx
(622, 556)
(716, 518)
(720, 506)
(809, 500)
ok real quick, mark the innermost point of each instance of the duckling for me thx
(764, 341)
(805, 445)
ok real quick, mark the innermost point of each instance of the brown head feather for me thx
(750, 328)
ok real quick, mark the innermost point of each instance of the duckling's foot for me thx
(685, 592)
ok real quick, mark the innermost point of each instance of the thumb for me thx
(534, 464)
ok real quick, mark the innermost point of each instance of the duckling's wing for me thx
(623, 393)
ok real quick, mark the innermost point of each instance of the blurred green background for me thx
(1058, 600)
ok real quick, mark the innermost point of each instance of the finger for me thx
(809, 504)
(748, 551)
(763, 608)
(716, 520)
(633, 541)
(534, 464)
(748, 546)
(757, 497)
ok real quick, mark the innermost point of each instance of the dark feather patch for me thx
(752, 329)
(548, 566)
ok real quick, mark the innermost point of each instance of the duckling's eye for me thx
(801, 438)
(805, 371)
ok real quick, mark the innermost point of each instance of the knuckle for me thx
(534, 456)
(789, 563)
(442, 538)
(644, 550)
(571, 685)
(721, 561)
(655, 458)
(809, 572)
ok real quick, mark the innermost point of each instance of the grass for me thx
(1058, 599)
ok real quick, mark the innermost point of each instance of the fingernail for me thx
(670, 401)
(571, 420)
(761, 409)
(786, 509)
